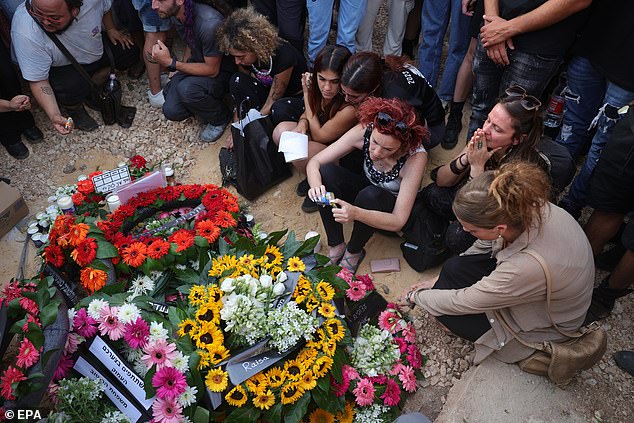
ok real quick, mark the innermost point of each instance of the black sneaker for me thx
(18, 150)
(308, 206)
(82, 120)
(33, 134)
(454, 126)
(302, 188)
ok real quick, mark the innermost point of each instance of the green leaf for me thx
(339, 360)
(47, 356)
(201, 415)
(176, 315)
(35, 335)
(307, 247)
(201, 242)
(275, 237)
(243, 415)
(150, 391)
(187, 276)
(48, 314)
(106, 250)
(115, 288)
(328, 401)
(297, 411)
(274, 414)
(99, 265)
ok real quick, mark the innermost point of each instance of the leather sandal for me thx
(346, 264)
(334, 260)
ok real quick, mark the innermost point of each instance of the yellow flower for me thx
(327, 310)
(294, 368)
(214, 294)
(322, 366)
(217, 380)
(187, 327)
(295, 264)
(325, 291)
(209, 312)
(329, 347)
(247, 261)
(264, 400)
(276, 377)
(217, 353)
(335, 329)
(273, 256)
(257, 383)
(222, 264)
(308, 381)
(236, 397)
(311, 303)
(204, 360)
(291, 393)
(197, 295)
(208, 334)
(347, 414)
(307, 356)
(321, 416)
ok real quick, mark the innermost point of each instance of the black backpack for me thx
(424, 234)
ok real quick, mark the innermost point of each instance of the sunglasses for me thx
(41, 17)
(528, 101)
(383, 120)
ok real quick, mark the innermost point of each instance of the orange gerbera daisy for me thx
(135, 254)
(158, 248)
(77, 234)
(93, 279)
(208, 230)
(183, 239)
(85, 252)
(224, 219)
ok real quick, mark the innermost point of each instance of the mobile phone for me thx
(386, 265)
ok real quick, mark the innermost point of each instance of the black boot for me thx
(625, 360)
(408, 47)
(454, 126)
(603, 299)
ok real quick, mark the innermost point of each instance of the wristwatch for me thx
(172, 66)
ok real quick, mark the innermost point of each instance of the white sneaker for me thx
(156, 100)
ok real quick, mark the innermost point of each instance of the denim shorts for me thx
(149, 18)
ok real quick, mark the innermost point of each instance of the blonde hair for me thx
(514, 194)
(246, 30)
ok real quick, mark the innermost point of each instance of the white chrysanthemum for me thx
(115, 417)
(180, 362)
(71, 317)
(157, 331)
(188, 397)
(128, 313)
(95, 307)
(140, 368)
(181, 267)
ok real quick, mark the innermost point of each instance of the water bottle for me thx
(555, 110)
(112, 100)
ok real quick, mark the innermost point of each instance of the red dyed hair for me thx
(399, 111)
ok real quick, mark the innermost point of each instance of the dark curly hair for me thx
(330, 58)
(399, 111)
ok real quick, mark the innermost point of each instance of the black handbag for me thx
(258, 164)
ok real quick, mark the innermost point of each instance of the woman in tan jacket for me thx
(508, 211)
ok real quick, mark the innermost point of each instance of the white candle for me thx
(32, 230)
(122, 164)
(65, 203)
(40, 215)
(113, 202)
(311, 234)
(250, 220)
(168, 171)
(36, 238)
(81, 178)
(52, 198)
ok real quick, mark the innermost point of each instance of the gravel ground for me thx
(605, 392)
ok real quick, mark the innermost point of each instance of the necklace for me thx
(262, 73)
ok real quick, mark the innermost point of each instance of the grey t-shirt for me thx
(207, 20)
(36, 53)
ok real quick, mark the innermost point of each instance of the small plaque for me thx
(111, 179)
(362, 311)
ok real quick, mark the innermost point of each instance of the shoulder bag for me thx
(561, 361)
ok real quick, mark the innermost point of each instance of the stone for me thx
(69, 167)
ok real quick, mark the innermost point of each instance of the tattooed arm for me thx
(278, 88)
(45, 97)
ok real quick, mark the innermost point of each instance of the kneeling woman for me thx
(383, 195)
(508, 211)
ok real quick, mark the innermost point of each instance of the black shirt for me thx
(285, 56)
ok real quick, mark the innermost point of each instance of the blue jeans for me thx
(9, 6)
(530, 71)
(319, 19)
(434, 20)
(591, 101)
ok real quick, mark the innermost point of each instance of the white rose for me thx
(279, 289)
(266, 281)
(227, 285)
(281, 277)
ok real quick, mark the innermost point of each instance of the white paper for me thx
(250, 117)
(294, 146)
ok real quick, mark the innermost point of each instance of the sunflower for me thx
(307, 356)
(236, 397)
(187, 327)
(209, 312)
(312, 303)
(208, 230)
(214, 294)
(273, 256)
(196, 295)
(247, 261)
(77, 234)
(217, 353)
(325, 291)
(207, 335)
(222, 264)
(347, 415)
(321, 416)
(276, 377)
(308, 381)
(291, 393)
(257, 383)
(216, 380)
(329, 347)
(322, 366)
(135, 254)
(335, 329)
(264, 400)
(294, 368)
(295, 264)
(327, 310)
(93, 279)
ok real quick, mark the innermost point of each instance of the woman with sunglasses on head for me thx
(499, 280)
(327, 116)
(381, 198)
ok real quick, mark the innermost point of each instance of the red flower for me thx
(95, 173)
(54, 255)
(213, 201)
(158, 248)
(85, 252)
(193, 191)
(208, 230)
(138, 162)
(183, 239)
(123, 213)
(121, 241)
(78, 198)
(169, 194)
(224, 219)
(11, 375)
(135, 254)
(231, 204)
(86, 186)
(144, 199)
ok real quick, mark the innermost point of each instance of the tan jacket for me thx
(517, 288)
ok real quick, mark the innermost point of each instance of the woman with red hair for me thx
(380, 198)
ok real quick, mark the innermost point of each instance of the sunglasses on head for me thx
(528, 101)
(383, 120)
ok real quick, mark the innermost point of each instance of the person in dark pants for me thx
(15, 118)
(289, 16)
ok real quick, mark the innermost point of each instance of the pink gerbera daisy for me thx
(407, 378)
(340, 389)
(413, 357)
(392, 394)
(31, 319)
(409, 333)
(402, 345)
(28, 355)
(137, 333)
(367, 281)
(11, 375)
(72, 343)
(84, 325)
(29, 305)
(345, 274)
(170, 383)
(349, 372)
(109, 323)
(160, 353)
(356, 291)
(388, 321)
(167, 411)
(63, 367)
(364, 392)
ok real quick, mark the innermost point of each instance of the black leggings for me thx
(357, 190)
(461, 272)
(12, 123)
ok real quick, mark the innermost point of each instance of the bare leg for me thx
(464, 79)
(153, 68)
(601, 227)
(621, 277)
(336, 252)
